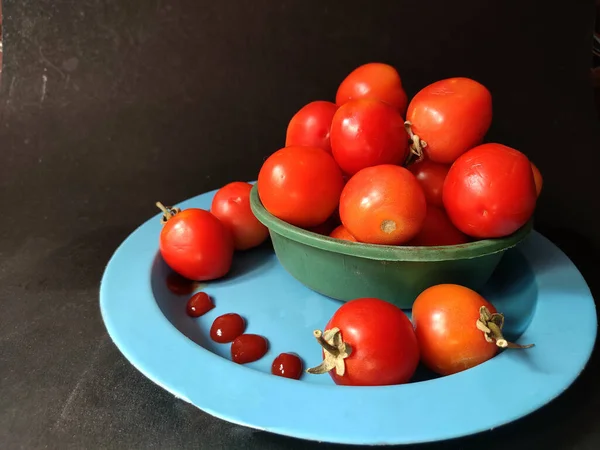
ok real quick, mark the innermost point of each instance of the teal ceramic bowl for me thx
(347, 270)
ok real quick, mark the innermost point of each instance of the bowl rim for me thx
(470, 250)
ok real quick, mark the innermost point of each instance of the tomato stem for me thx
(335, 351)
(168, 212)
(491, 325)
(416, 145)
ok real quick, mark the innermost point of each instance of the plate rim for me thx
(147, 339)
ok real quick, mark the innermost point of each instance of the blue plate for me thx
(545, 300)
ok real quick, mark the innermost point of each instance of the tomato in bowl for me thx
(346, 270)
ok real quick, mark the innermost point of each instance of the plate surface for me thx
(543, 296)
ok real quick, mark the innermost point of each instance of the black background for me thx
(108, 105)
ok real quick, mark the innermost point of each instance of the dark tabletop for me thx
(108, 105)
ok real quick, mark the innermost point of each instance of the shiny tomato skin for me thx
(231, 205)
(383, 205)
(445, 319)
(451, 116)
(490, 192)
(196, 245)
(438, 230)
(376, 81)
(537, 177)
(431, 177)
(367, 133)
(300, 185)
(383, 342)
(310, 126)
(342, 233)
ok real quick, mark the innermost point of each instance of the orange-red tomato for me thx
(310, 126)
(537, 177)
(431, 176)
(342, 233)
(489, 191)
(438, 230)
(451, 116)
(367, 133)
(196, 245)
(231, 204)
(300, 185)
(445, 318)
(383, 205)
(376, 81)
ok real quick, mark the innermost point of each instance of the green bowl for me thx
(347, 270)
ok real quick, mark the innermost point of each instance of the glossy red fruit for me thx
(431, 177)
(310, 126)
(199, 304)
(375, 81)
(195, 244)
(451, 116)
(438, 230)
(287, 365)
(490, 191)
(227, 327)
(248, 348)
(342, 233)
(366, 133)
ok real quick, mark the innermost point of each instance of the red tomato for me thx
(375, 345)
(438, 230)
(537, 177)
(489, 191)
(431, 176)
(445, 318)
(451, 116)
(287, 365)
(300, 185)
(326, 227)
(383, 205)
(342, 233)
(367, 133)
(199, 304)
(231, 204)
(195, 244)
(248, 348)
(310, 126)
(376, 81)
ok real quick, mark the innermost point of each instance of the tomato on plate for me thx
(431, 177)
(342, 233)
(195, 244)
(300, 185)
(231, 205)
(451, 116)
(489, 191)
(367, 133)
(376, 81)
(383, 205)
(437, 229)
(537, 177)
(368, 342)
(310, 126)
(450, 324)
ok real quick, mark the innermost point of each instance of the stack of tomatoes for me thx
(374, 168)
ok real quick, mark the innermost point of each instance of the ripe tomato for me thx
(367, 133)
(445, 318)
(451, 116)
(454, 332)
(374, 81)
(195, 244)
(310, 126)
(369, 342)
(300, 185)
(438, 230)
(537, 177)
(489, 191)
(231, 205)
(343, 234)
(383, 205)
(431, 176)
